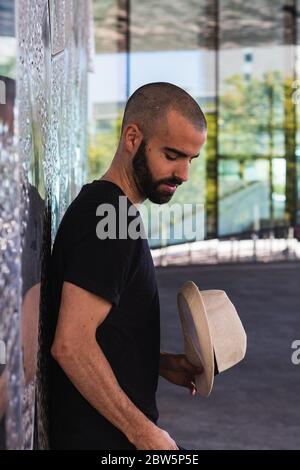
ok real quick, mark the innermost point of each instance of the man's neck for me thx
(125, 183)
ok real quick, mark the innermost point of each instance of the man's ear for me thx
(132, 137)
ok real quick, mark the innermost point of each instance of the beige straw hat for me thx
(213, 333)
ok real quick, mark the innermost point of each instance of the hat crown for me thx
(211, 327)
(228, 334)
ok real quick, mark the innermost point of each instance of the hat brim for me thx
(198, 343)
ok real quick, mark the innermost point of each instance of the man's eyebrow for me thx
(179, 152)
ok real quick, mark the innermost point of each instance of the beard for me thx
(144, 180)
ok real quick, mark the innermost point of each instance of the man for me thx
(106, 348)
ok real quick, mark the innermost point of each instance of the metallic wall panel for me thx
(42, 167)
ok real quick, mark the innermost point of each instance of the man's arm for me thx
(76, 350)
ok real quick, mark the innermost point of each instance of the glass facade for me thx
(240, 62)
(256, 70)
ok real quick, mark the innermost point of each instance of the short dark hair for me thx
(151, 102)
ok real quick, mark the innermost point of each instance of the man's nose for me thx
(182, 171)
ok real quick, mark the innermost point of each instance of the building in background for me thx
(240, 62)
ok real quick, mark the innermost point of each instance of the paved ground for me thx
(255, 405)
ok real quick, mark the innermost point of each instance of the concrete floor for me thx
(256, 404)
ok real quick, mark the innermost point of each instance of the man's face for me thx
(162, 163)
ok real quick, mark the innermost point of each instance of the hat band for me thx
(216, 365)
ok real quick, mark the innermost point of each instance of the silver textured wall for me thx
(42, 167)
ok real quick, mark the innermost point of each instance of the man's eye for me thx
(170, 158)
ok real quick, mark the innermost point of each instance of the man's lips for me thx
(170, 187)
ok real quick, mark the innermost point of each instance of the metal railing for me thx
(233, 250)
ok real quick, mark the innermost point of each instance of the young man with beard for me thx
(106, 355)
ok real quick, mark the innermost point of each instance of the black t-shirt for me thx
(121, 271)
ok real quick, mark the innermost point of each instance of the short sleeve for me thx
(97, 265)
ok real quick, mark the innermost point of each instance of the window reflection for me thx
(240, 61)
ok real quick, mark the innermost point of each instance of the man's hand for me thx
(153, 438)
(178, 370)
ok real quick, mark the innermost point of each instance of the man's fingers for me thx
(195, 370)
(193, 388)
